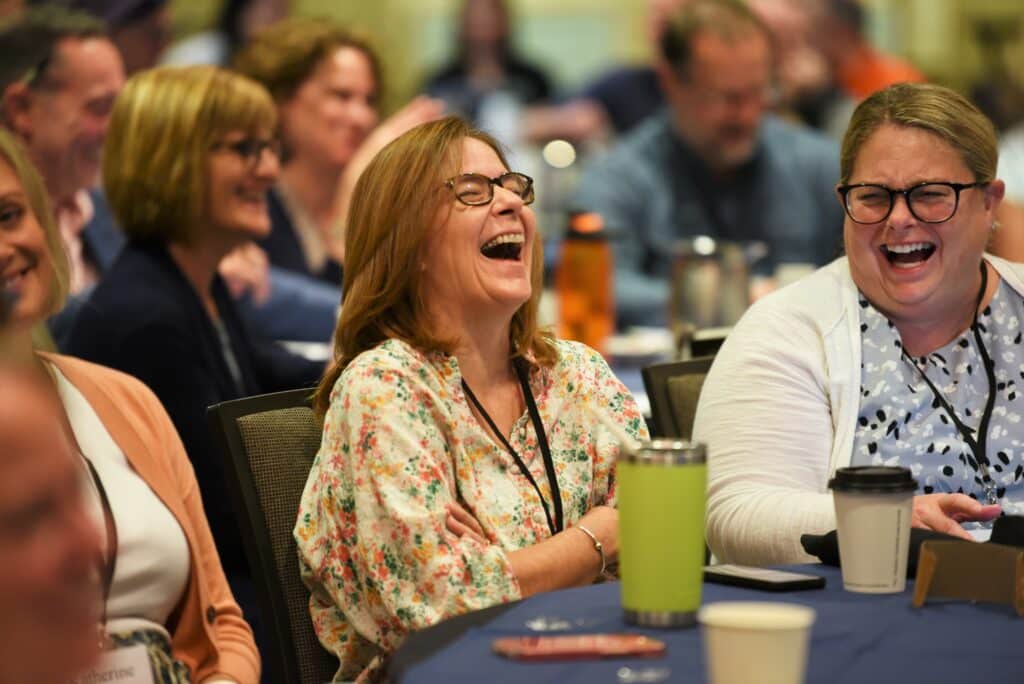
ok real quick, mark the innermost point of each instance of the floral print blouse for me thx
(399, 442)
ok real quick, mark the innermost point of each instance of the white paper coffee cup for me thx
(750, 641)
(873, 510)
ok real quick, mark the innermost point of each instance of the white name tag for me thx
(127, 665)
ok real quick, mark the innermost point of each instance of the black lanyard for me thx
(556, 524)
(106, 562)
(978, 446)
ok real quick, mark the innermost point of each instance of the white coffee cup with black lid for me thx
(873, 507)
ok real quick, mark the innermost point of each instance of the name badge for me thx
(126, 665)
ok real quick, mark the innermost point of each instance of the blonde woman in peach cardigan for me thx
(165, 591)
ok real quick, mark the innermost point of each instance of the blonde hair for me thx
(163, 125)
(391, 218)
(39, 203)
(932, 108)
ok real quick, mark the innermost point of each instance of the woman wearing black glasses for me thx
(462, 464)
(905, 352)
(187, 164)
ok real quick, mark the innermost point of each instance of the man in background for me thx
(59, 76)
(60, 73)
(713, 162)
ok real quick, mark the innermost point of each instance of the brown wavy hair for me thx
(284, 55)
(391, 218)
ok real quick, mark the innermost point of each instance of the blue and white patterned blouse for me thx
(901, 423)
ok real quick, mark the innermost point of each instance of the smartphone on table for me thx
(765, 579)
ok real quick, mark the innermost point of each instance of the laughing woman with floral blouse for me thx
(462, 464)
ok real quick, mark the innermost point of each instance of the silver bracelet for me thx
(597, 547)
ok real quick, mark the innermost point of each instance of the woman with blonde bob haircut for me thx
(190, 155)
(904, 352)
(461, 464)
(156, 173)
(163, 586)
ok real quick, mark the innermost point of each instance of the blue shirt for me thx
(899, 422)
(652, 190)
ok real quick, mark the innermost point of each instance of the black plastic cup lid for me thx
(881, 479)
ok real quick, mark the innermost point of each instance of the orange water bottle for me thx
(584, 281)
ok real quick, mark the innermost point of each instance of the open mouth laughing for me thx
(505, 247)
(908, 255)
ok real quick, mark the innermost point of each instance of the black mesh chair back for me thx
(269, 443)
(673, 389)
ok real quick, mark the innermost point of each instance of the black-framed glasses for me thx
(928, 202)
(475, 188)
(250, 150)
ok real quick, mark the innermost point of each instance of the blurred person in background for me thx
(64, 106)
(190, 155)
(859, 67)
(806, 89)
(714, 162)
(326, 83)
(59, 76)
(164, 590)
(141, 29)
(826, 62)
(236, 24)
(486, 66)
(630, 94)
(49, 584)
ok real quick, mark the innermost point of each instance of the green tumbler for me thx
(661, 493)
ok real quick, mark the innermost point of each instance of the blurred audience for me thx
(190, 155)
(805, 85)
(630, 94)
(139, 28)
(860, 68)
(59, 75)
(163, 586)
(486, 76)
(237, 23)
(58, 78)
(714, 162)
(326, 84)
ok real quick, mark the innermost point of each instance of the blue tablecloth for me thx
(856, 639)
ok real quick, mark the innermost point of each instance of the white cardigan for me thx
(778, 412)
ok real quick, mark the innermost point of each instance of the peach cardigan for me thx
(207, 629)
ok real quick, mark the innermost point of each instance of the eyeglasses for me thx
(250, 150)
(928, 202)
(475, 188)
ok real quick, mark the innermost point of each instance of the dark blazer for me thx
(102, 236)
(284, 249)
(145, 319)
